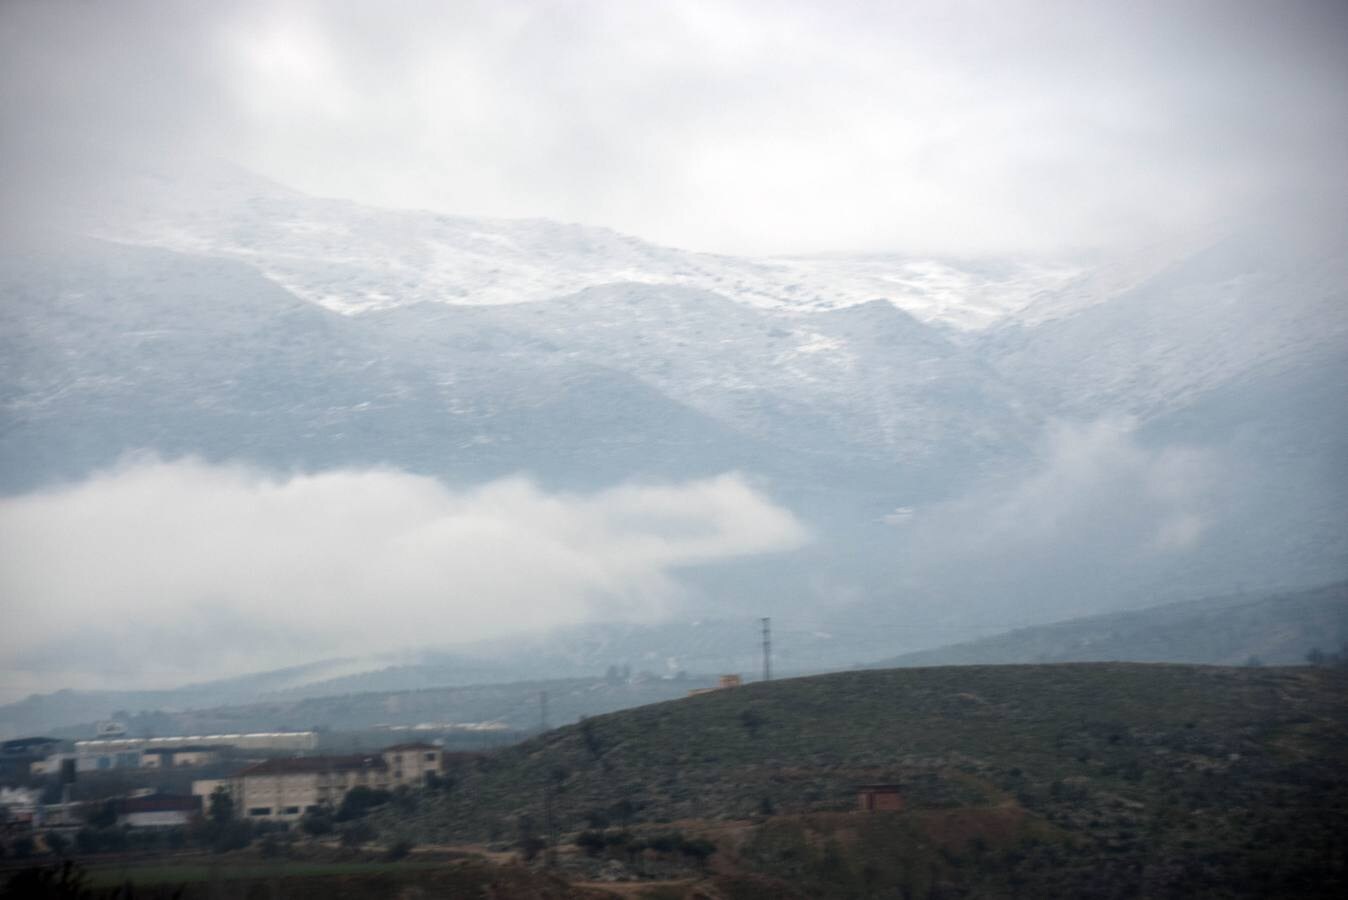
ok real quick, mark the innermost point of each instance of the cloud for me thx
(957, 128)
(1101, 512)
(164, 572)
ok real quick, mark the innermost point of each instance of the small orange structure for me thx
(879, 798)
(724, 683)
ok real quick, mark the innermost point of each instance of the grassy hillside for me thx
(1278, 629)
(1095, 779)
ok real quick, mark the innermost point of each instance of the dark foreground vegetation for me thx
(289, 881)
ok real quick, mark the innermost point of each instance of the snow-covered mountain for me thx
(353, 259)
(878, 397)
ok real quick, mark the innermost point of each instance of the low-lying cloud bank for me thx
(163, 572)
(1102, 520)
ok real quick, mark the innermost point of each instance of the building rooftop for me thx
(414, 745)
(23, 745)
(191, 748)
(159, 803)
(300, 764)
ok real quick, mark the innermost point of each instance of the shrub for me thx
(56, 842)
(357, 833)
(105, 816)
(269, 847)
(529, 842)
(592, 842)
(698, 849)
(86, 841)
(531, 846)
(220, 809)
(664, 843)
(404, 801)
(590, 737)
(399, 850)
(359, 801)
(232, 836)
(316, 823)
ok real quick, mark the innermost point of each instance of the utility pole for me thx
(767, 649)
(543, 709)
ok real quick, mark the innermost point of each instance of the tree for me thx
(357, 833)
(699, 849)
(87, 841)
(270, 846)
(232, 836)
(317, 823)
(592, 842)
(105, 816)
(56, 842)
(399, 850)
(359, 801)
(590, 737)
(530, 843)
(623, 811)
(221, 808)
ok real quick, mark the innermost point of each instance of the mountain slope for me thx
(237, 320)
(1276, 630)
(110, 349)
(353, 259)
(1154, 777)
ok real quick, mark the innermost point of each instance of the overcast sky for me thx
(743, 127)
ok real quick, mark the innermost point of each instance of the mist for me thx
(1094, 523)
(157, 572)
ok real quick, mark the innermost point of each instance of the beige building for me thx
(178, 757)
(286, 789)
(410, 764)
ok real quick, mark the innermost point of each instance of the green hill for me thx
(1273, 629)
(1049, 780)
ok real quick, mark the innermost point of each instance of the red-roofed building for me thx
(879, 797)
